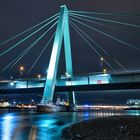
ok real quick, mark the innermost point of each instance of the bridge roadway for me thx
(90, 82)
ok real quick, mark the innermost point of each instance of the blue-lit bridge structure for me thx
(70, 83)
(89, 82)
(77, 83)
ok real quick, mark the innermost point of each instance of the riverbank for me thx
(109, 128)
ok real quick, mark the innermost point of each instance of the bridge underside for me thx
(70, 89)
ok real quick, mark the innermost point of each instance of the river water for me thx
(29, 125)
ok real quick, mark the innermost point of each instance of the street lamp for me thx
(12, 84)
(21, 69)
(38, 76)
(102, 60)
(104, 71)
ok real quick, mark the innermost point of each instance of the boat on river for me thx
(53, 108)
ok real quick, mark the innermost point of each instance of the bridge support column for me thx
(71, 97)
(61, 31)
(71, 100)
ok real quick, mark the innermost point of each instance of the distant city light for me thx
(32, 100)
(86, 105)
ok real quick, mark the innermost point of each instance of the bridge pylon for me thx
(62, 32)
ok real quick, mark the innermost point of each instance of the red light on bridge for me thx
(99, 81)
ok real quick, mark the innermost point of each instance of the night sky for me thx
(17, 16)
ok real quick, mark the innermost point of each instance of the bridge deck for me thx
(79, 83)
(94, 87)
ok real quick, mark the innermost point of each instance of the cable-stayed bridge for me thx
(114, 76)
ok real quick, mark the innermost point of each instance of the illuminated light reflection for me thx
(46, 123)
(44, 129)
(7, 127)
(86, 115)
(134, 112)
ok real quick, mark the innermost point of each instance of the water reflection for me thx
(134, 112)
(33, 126)
(6, 127)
